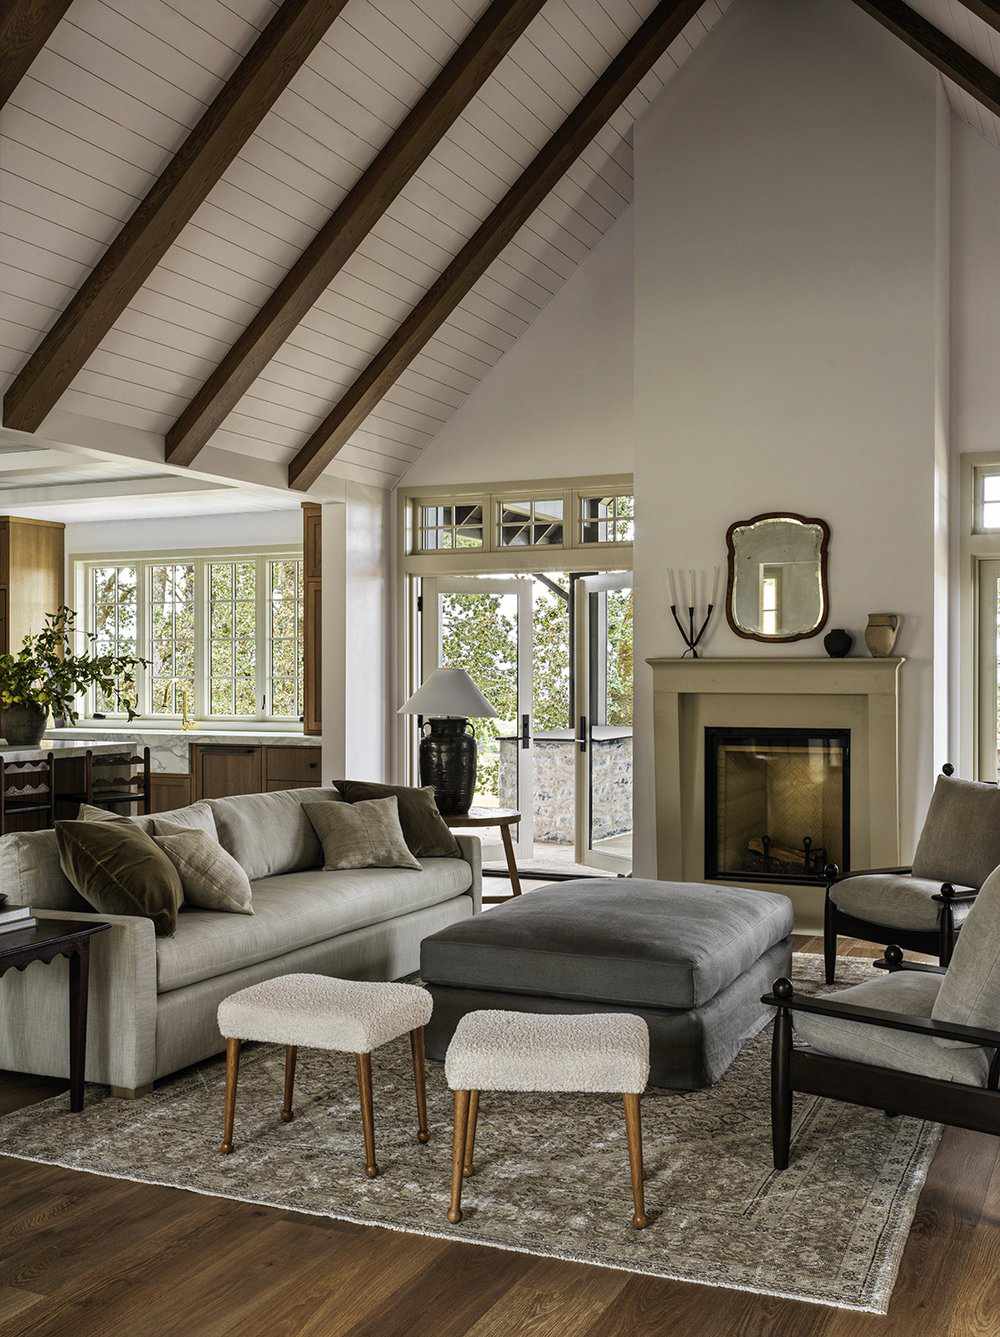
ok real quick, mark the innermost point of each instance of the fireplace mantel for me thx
(780, 691)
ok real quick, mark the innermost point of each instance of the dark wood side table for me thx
(47, 940)
(504, 818)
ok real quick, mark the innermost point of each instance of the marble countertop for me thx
(169, 748)
(59, 747)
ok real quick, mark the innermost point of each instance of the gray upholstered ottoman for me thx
(691, 960)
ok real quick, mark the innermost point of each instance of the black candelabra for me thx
(685, 603)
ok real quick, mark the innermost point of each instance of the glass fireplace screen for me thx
(777, 803)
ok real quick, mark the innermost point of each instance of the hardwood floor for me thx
(89, 1256)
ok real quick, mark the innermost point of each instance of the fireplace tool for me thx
(687, 591)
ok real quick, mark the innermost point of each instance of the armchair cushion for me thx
(960, 842)
(896, 900)
(970, 991)
(911, 993)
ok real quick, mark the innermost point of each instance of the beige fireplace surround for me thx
(690, 695)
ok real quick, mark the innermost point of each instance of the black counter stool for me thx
(27, 787)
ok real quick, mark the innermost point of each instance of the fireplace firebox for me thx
(777, 804)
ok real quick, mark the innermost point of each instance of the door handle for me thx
(525, 731)
(582, 740)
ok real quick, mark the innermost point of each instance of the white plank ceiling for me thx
(981, 41)
(121, 82)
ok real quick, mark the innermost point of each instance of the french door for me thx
(603, 742)
(485, 626)
(989, 658)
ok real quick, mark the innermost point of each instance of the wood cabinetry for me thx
(291, 767)
(312, 595)
(32, 579)
(168, 791)
(218, 772)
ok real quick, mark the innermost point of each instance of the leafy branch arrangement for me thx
(47, 672)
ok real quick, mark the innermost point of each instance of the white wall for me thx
(787, 319)
(355, 635)
(186, 533)
(560, 402)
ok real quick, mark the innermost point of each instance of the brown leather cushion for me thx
(119, 870)
(424, 829)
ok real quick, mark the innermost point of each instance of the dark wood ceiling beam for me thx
(266, 70)
(987, 10)
(631, 64)
(25, 27)
(957, 64)
(458, 82)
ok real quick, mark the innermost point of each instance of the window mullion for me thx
(262, 658)
(202, 652)
(143, 640)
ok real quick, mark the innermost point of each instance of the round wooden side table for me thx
(504, 818)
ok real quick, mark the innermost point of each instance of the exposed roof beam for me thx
(266, 70)
(987, 10)
(455, 86)
(978, 80)
(25, 27)
(635, 59)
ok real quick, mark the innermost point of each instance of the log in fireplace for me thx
(777, 803)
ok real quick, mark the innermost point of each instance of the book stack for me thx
(16, 919)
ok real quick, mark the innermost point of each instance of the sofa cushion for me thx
(119, 870)
(895, 900)
(912, 992)
(294, 910)
(31, 873)
(612, 940)
(960, 841)
(424, 829)
(268, 834)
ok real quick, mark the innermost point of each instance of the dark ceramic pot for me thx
(838, 643)
(23, 726)
(448, 762)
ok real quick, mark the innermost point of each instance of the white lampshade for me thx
(448, 693)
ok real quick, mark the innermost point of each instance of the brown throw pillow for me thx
(119, 870)
(360, 835)
(424, 829)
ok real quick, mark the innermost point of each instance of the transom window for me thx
(530, 524)
(988, 499)
(454, 525)
(607, 519)
(222, 635)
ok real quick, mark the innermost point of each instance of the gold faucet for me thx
(187, 723)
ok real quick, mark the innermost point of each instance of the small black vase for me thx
(838, 643)
(448, 762)
(24, 725)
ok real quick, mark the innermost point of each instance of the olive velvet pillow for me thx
(119, 870)
(424, 829)
(366, 834)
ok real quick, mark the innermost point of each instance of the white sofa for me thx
(153, 1000)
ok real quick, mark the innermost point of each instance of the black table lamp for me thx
(447, 701)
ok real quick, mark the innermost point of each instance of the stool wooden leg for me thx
(367, 1112)
(633, 1127)
(470, 1137)
(232, 1073)
(458, 1155)
(420, 1082)
(291, 1054)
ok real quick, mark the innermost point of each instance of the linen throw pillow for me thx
(119, 870)
(210, 876)
(366, 834)
(424, 829)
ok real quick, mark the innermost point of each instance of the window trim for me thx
(82, 565)
(980, 473)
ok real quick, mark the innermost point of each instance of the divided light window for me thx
(223, 637)
(987, 499)
(607, 519)
(530, 524)
(452, 525)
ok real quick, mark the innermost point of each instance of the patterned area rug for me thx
(551, 1173)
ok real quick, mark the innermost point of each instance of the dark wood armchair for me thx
(921, 907)
(971, 1104)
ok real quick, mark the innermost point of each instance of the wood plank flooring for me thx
(89, 1256)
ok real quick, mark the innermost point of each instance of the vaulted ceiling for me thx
(102, 109)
